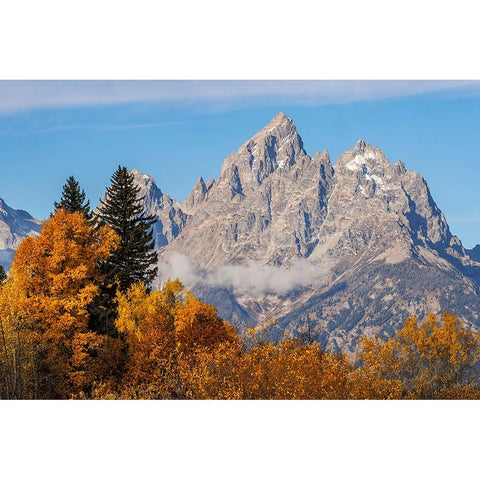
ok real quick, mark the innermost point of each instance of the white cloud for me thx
(253, 278)
(16, 95)
(179, 266)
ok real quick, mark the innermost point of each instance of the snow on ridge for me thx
(360, 162)
(377, 180)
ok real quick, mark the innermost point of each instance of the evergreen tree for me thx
(135, 259)
(3, 275)
(73, 199)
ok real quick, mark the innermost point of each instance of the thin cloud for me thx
(31, 94)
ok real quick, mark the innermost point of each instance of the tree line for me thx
(79, 319)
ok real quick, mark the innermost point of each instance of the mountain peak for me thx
(281, 125)
(149, 190)
(15, 225)
(200, 183)
(196, 196)
(279, 138)
(279, 119)
(142, 178)
(361, 145)
(276, 146)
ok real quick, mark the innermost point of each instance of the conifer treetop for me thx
(73, 199)
(122, 209)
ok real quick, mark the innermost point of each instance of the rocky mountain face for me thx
(345, 249)
(15, 225)
(169, 215)
(392, 254)
(340, 250)
(266, 206)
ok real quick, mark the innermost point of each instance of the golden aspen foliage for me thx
(17, 372)
(171, 294)
(170, 336)
(197, 325)
(180, 348)
(57, 273)
(207, 349)
(292, 370)
(146, 322)
(172, 345)
(424, 360)
(257, 368)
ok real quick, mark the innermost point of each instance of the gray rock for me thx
(355, 247)
(168, 212)
(15, 225)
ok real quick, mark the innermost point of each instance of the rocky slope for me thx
(267, 205)
(169, 215)
(351, 248)
(15, 225)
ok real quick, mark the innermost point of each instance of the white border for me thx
(241, 40)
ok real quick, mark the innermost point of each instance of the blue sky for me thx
(179, 130)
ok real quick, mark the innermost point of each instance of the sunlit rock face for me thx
(354, 247)
(15, 225)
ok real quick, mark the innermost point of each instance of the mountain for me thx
(474, 253)
(266, 206)
(353, 247)
(15, 225)
(170, 217)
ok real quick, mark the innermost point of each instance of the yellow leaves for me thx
(180, 348)
(423, 359)
(173, 345)
(94, 359)
(288, 370)
(197, 325)
(130, 309)
(16, 343)
(55, 278)
(170, 294)
(168, 332)
(64, 257)
(146, 322)
(10, 302)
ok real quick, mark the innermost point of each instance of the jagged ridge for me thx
(362, 222)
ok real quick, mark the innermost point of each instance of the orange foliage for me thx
(180, 349)
(197, 325)
(172, 345)
(146, 322)
(55, 276)
(424, 360)
(290, 370)
(17, 368)
(164, 332)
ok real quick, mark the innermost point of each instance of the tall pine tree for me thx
(135, 259)
(73, 199)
